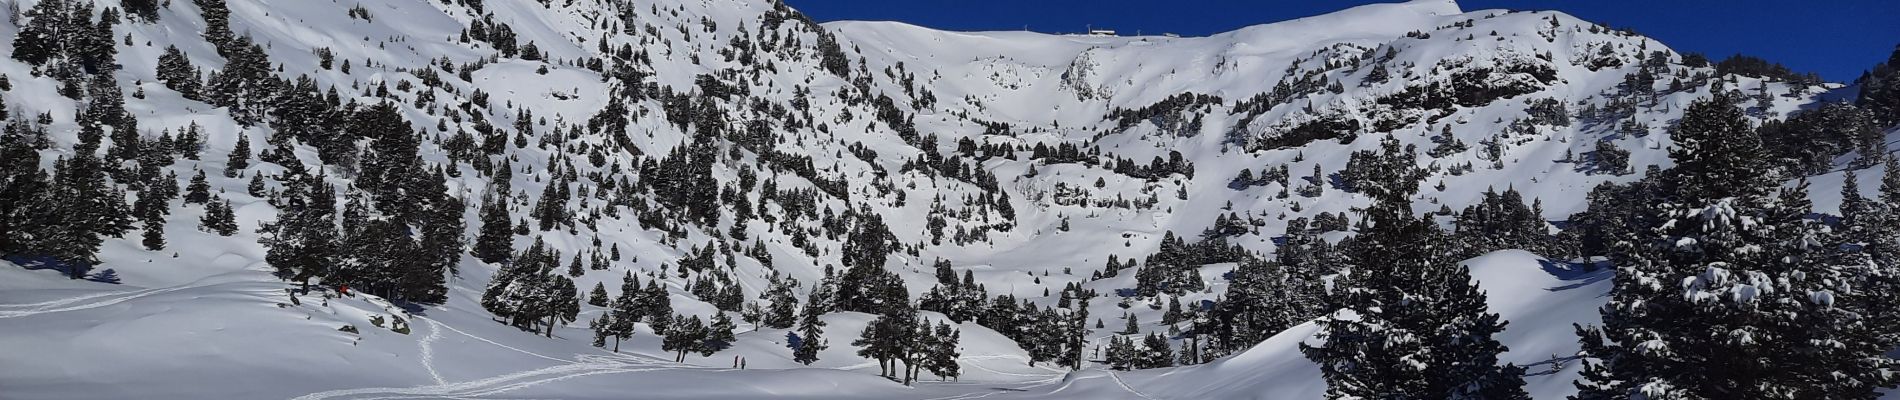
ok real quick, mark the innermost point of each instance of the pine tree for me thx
(153, 221)
(219, 218)
(240, 157)
(683, 336)
(199, 191)
(598, 297)
(782, 312)
(498, 297)
(1155, 353)
(811, 332)
(441, 242)
(303, 242)
(563, 304)
(1121, 353)
(256, 187)
(217, 23)
(1753, 292)
(496, 239)
(146, 10)
(191, 143)
(22, 184)
(391, 163)
(1466, 344)
(626, 311)
(39, 37)
(1879, 89)
(657, 303)
(1409, 332)
(719, 335)
(600, 328)
(887, 339)
(177, 73)
(379, 255)
(246, 87)
(82, 208)
(865, 250)
(941, 356)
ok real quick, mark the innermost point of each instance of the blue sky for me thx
(1836, 38)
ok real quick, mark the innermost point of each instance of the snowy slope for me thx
(204, 319)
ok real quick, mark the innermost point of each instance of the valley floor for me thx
(237, 334)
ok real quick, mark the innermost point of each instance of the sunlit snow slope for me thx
(204, 318)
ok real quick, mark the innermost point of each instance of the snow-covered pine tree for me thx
(563, 302)
(246, 85)
(1466, 346)
(1735, 278)
(1879, 241)
(551, 209)
(1122, 354)
(1502, 221)
(782, 312)
(303, 242)
(177, 73)
(146, 10)
(1401, 332)
(1880, 90)
(1155, 352)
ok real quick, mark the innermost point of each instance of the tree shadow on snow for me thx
(106, 275)
(1577, 274)
(412, 308)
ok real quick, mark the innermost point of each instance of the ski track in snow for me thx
(452, 329)
(582, 365)
(994, 371)
(995, 391)
(1124, 385)
(486, 386)
(428, 350)
(48, 306)
(69, 300)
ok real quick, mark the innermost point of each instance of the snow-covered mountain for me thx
(724, 147)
